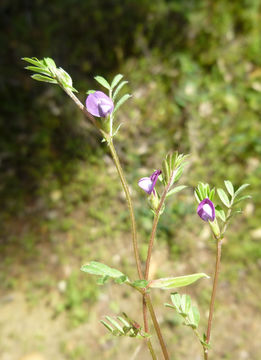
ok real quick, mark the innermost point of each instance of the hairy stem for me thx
(213, 295)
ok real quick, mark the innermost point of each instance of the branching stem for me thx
(133, 224)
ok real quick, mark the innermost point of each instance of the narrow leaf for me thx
(242, 198)
(117, 90)
(38, 69)
(212, 194)
(96, 268)
(116, 80)
(114, 322)
(230, 187)
(240, 189)
(43, 78)
(107, 325)
(220, 213)
(175, 282)
(102, 81)
(197, 195)
(176, 299)
(121, 102)
(34, 61)
(176, 190)
(90, 92)
(223, 197)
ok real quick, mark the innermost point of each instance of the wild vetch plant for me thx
(101, 109)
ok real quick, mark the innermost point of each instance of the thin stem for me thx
(155, 224)
(156, 326)
(133, 222)
(213, 295)
(151, 350)
(120, 172)
(130, 206)
(147, 269)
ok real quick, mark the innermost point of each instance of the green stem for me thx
(131, 210)
(155, 224)
(213, 295)
(151, 350)
(147, 269)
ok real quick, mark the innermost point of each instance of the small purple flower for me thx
(206, 210)
(99, 104)
(148, 183)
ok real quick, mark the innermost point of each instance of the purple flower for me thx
(99, 104)
(206, 210)
(148, 183)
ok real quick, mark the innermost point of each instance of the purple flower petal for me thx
(148, 183)
(206, 210)
(99, 104)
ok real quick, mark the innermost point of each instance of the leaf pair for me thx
(105, 272)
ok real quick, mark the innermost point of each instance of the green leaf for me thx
(97, 268)
(64, 77)
(107, 326)
(50, 64)
(220, 212)
(116, 80)
(114, 322)
(140, 283)
(102, 81)
(90, 92)
(125, 323)
(175, 282)
(34, 61)
(38, 69)
(121, 102)
(121, 279)
(176, 190)
(212, 194)
(242, 198)
(240, 189)
(230, 187)
(187, 302)
(193, 317)
(223, 197)
(197, 195)
(43, 78)
(119, 87)
(102, 280)
(176, 299)
(179, 172)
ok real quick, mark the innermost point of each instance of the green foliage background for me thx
(194, 68)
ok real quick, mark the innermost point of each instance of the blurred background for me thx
(194, 69)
